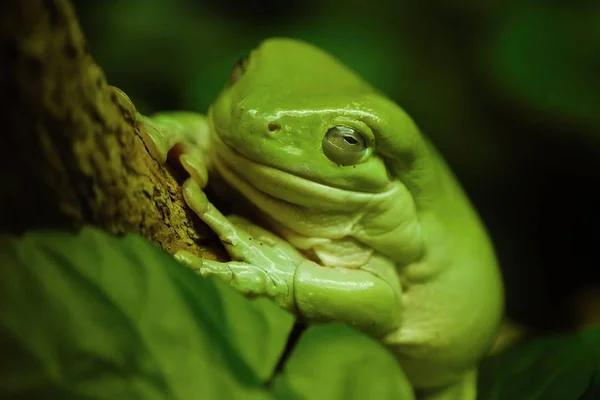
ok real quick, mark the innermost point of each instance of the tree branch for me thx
(72, 151)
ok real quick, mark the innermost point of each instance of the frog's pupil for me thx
(350, 140)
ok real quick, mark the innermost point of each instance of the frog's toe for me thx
(196, 167)
(151, 132)
(155, 138)
(192, 261)
(205, 267)
(236, 241)
(195, 197)
(245, 278)
(123, 101)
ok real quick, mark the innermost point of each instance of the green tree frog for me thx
(351, 214)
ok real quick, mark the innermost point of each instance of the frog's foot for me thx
(246, 278)
(164, 131)
(263, 264)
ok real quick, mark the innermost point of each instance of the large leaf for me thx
(98, 317)
(557, 367)
(336, 362)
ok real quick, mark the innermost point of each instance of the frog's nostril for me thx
(273, 127)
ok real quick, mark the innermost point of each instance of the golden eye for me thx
(344, 145)
(239, 68)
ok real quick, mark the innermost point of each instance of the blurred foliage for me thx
(553, 367)
(509, 92)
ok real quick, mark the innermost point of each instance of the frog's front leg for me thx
(264, 264)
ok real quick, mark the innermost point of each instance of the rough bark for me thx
(72, 154)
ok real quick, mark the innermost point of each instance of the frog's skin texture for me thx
(377, 234)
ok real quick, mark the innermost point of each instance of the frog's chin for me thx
(263, 185)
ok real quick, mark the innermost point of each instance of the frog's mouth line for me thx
(249, 176)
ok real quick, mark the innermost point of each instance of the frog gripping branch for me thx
(350, 215)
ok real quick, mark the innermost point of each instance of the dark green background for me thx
(508, 91)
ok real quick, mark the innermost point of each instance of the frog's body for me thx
(374, 231)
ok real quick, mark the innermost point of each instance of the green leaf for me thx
(559, 367)
(336, 362)
(98, 317)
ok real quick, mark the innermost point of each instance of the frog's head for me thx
(302, 127)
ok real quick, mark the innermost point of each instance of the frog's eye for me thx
(344, 145)
(239, 68)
